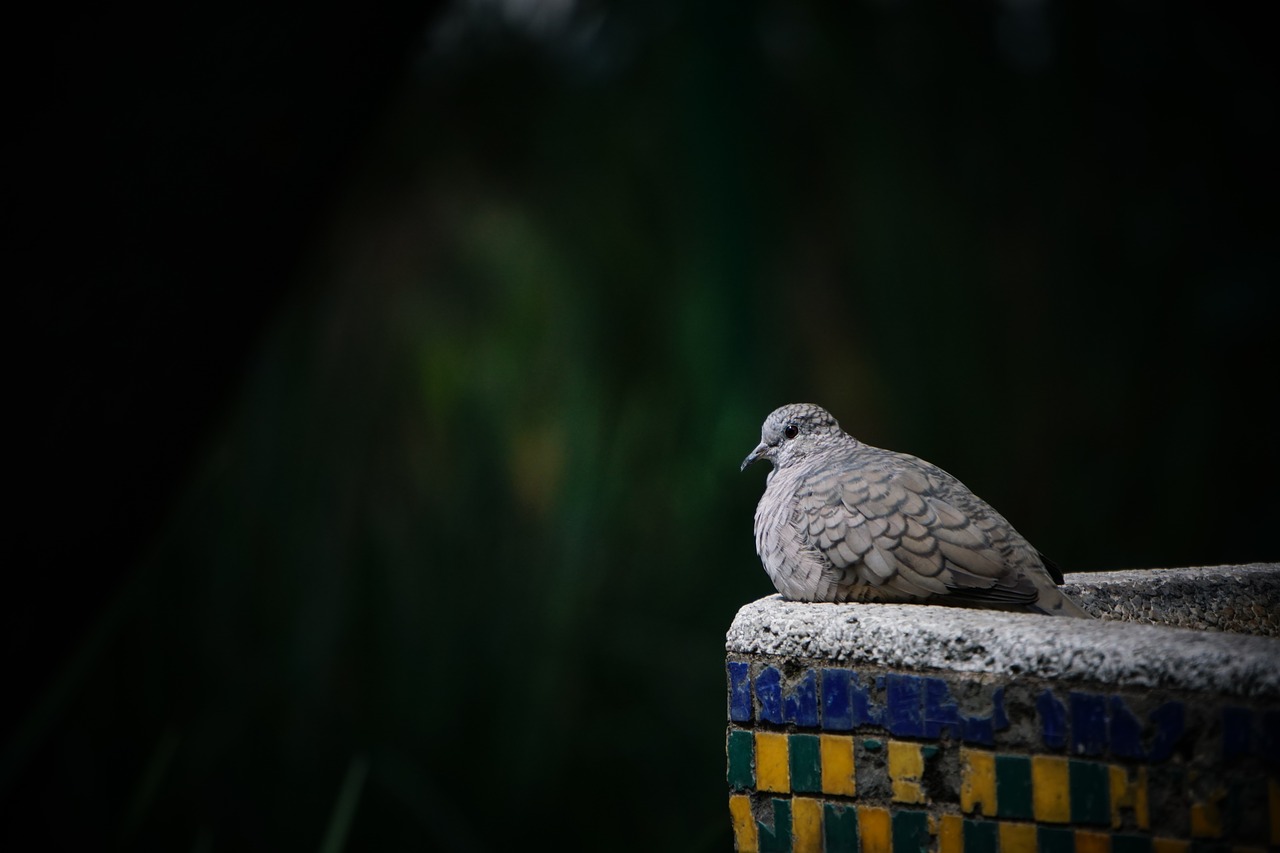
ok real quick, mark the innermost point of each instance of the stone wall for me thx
(900, 728)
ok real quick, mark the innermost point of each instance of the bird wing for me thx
(902, 526)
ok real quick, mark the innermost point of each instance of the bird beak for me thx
(754, 455)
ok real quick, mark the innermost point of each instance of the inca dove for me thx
(843, 521)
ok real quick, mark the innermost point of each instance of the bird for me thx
(843, 521)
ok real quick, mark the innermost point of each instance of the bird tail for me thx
(1053, 602)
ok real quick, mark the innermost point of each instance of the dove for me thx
(844, 521)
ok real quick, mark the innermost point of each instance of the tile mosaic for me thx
(1121, 843)
(741, 753)
(744, 824)
(837, 707)
(904, 715)
(769, 695)
(806, 825)
(739, 691)
(1092, 842)
(1053, 719)
(800, 704)
(980, 836)
(983, 729)
(1206, 816)
(1273, 806)
(772, 765)
(776, 839)
(910, 831)
(1245, 809)
(1237, 732)
(950, 833)
(977, 782)
(1088, 723)
(848, 701)
(840, 826)
(1168, 721)
(1013, 786)
(1129, 793)
(1126, 731)
(1017, 838)
(874, 830)
(837, 764)
(1055, 839)
(906, 768)
(1169, 845)
(1050, 789)
(1090, 785)
(1269, 748)
(805, 759)
(941, 712)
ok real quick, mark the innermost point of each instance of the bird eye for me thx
(791, 430)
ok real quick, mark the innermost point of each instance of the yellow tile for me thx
(1129, 793)
(836, 752)
(1050, 789)
(978, 781)
(1206, 817)
(806, 825)
(906, 766)
(1092, 842)
(1274, 785)
(773, 772)
(951, 834)
(1017, 838)
(744, 824)
(1169, 845)
(874, 833)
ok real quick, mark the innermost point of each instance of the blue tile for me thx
(941, 713)
(1269, 736)
(739, 692)
(998, 716)
(1237, 732)
(1126, 731)
(800, 706)
(1088, 723)
(865, 711)
(983, 729)
(1053, 719)
(1168, 721)
(847, 702)
(905, 712)
(769, 695)
(837, 713)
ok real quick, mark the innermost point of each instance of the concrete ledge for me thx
(878, 727)
(952, 639)
(1244, 599)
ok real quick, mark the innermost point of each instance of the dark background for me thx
(382, 375)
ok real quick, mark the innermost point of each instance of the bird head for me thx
(792, 432)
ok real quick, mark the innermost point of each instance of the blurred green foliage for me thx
(456, 570)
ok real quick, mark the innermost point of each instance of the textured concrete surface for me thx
(1244, 599)
(921, 637)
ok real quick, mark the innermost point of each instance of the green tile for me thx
(840, 827)
(806, 765)
(911, 832)
(1130, 844)
(980, 836)
(1090, 785)
(779, 839)
(742, 753)
(1013, 786)
(1055, 839)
